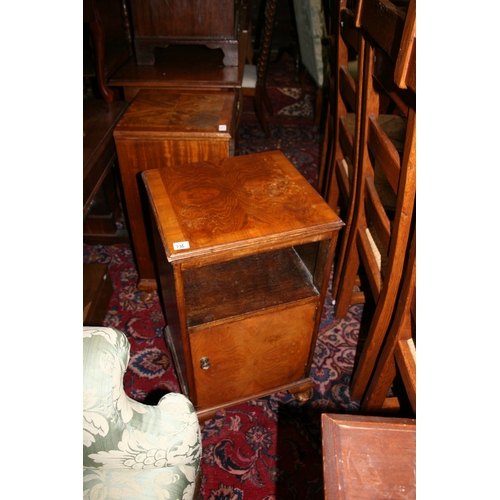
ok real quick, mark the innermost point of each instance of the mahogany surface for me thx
(159, 23)
(163, 128)
(368, 457)
(177, 67)
(244, 246)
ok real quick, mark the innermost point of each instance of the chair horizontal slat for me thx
(376, 215)
(348, 29)
(370, 262)
(347, 87)
(345, 137)
(383, 72)
(384, 23)
(406, 359)
(384, 152)
(343, 177)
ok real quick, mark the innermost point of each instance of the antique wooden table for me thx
(244, 248)
(368, 457)
(163, 128)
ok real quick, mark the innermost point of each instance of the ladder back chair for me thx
(338, 174)
(378, 239)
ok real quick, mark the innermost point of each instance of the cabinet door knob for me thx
(205, 363)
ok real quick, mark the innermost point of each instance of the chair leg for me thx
(259, 111)
(347, 279)
(265, 98)
(319, 106)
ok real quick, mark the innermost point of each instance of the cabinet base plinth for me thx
(300, 387)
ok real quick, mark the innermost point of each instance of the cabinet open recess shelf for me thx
(243, 286)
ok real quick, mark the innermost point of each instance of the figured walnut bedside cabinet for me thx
(244, 248)
(162, 128)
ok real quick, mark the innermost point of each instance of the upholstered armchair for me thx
(132, 450)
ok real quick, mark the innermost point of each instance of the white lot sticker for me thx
(222, 128)
(181, 245)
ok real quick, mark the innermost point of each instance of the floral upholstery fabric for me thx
(311, 30)
(131, 450)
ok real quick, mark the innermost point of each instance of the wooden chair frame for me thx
(370, 218)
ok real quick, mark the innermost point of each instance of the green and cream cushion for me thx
(131, 450)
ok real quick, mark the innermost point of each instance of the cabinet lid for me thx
(236, 206)
(174, 113)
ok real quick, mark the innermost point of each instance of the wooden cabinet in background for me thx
(164, 128)
(159, 23)
(244, 248)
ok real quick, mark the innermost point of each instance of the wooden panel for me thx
(157, 23)
(247, 356)
(369, 457)
(183, 18)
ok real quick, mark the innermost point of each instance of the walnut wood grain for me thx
(263, 202)
(258, 352)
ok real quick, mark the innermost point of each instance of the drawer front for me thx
(253, 354)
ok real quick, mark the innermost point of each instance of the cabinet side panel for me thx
(168, 298)
(251, 355)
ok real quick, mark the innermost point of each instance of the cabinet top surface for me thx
(234, 204)
(174, 112)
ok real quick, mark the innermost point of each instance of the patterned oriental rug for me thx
(266, 449)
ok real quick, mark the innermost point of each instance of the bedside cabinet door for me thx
(244, 357)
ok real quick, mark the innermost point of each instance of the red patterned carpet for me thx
(267, 449)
